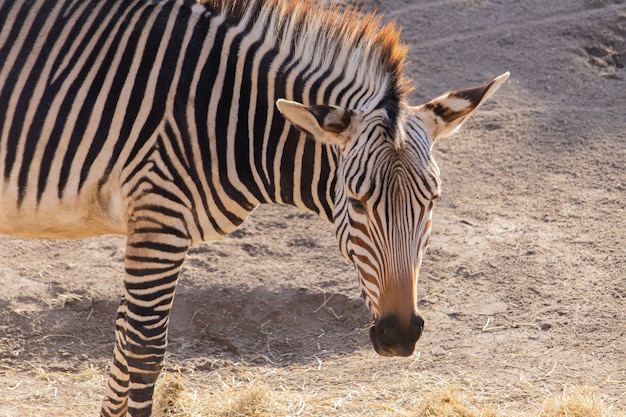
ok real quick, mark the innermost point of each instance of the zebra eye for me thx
(357, 205)
(432, 201)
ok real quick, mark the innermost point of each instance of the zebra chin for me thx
(391, 339)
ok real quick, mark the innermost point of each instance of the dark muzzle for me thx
(391, 337)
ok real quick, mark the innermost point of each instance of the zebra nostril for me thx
(389, 338)
(417, 326)
(394, 337)
(387, 330)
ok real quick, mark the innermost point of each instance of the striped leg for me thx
(154, 257)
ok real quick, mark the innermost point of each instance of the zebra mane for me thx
(364, 47)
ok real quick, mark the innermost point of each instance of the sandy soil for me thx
(525, 277)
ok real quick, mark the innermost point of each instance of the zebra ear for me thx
(445, 114)
(327, 124)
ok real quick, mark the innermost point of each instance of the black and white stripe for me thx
(158, 120)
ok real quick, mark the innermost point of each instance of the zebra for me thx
(170, 121)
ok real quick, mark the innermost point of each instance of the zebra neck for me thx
(284, 51)
(304, 174)
(249, 59)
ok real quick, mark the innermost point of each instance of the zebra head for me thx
(386, 183)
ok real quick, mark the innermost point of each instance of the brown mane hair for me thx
(340, 32)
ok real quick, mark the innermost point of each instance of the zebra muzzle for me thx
(391, 338)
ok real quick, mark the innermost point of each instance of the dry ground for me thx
(523, 288)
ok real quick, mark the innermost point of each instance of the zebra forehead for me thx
(394, 173)
(421, 183)
(384, 146)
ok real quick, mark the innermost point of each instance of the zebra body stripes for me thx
(170, 121)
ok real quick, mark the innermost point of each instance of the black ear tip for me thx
(476, 94)
(332, 119)
(473, 95)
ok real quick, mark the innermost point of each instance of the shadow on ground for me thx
(282, 326)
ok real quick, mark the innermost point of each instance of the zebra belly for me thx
(89, 214)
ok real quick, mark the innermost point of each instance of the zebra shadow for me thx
(280, 326)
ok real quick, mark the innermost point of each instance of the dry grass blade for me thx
(61, 300)
(576, 402)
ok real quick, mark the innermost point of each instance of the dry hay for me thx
(576, 402)
(242, 390)
(173, 400)
(454, 402)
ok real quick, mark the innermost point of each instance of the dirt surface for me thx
(525, 277)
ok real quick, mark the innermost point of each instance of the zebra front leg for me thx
(152, 264)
